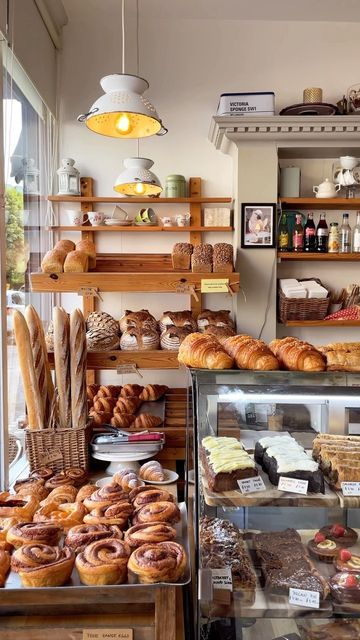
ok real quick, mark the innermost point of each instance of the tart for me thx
(343, 536)
(347, 561)
(323, 548)
(345, 587)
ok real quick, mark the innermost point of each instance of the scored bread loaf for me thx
(76, 262)
(220, 332)
(88, 247)
(214, 318)
(172, 337)
(137, 339)
(26, 363)
(53, 261)
(177, 319)
(104, 321)
(249, 353)
(41, 361)
(78, 369)
(138, 320)
(203, 351)
(62, 364)
(296, 355)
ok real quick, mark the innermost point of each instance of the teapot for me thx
(326, 189)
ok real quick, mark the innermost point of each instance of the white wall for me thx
(188, 64)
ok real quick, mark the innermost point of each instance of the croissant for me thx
(203, 351)
(105, 404)
(111, 391)
(91, 391)
(249, 353)
(122, 420)
(131, 390)
(152, 471)
(100, 417)
(153, 392)
(127, 479)
(296, 355)
(127, 405)
(147, 421)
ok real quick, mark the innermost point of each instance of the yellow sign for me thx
(217, 285)
(107, 634)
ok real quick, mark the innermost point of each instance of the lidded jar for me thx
(175, 186)
(333, 246)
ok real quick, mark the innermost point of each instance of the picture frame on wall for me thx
(258, 225)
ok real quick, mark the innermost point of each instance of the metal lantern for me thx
(31, 178)
(69, 178)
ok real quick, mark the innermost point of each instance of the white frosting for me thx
(288, 465)
(269, 441)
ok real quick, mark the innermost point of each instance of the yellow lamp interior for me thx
(138, 189)
(123, 124)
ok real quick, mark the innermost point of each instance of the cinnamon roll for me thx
(34, 533)
(114, 514)
(77, 475)
(4, 566)
(149, 534)
(81, 535)
(42, 473)
(135, 492)
(162, 562)
(40, 565)
(157, 512)
(127, 479)
(22, 508)
(61, 495)
(156, 495)
(103, 562)
(58, 480)
(108, 494)
(65, 515)
(85, 492)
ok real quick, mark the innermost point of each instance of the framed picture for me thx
(258, 225)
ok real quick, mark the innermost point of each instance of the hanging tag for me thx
(90, 292)
(107, 634)
(183, 287)
(216, 285)
(350, 488)
(123, 369)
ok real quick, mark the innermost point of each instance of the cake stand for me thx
(128, 456)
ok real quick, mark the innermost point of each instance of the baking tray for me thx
(13, 584)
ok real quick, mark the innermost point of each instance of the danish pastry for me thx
(41, 565)
(103, 562)
(162, 562)
(81, 535)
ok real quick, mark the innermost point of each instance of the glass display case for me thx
(277, 496)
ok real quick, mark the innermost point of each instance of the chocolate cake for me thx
(225, 462)
(345, 587)
(336, 630)
(343, 536)
(347, 561)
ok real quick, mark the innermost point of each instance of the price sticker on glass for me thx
(251, 485)
(350, 488)
(304, 598)
(293, 485)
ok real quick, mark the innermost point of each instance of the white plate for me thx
(170, 476)
(146, 224)
(113, 222)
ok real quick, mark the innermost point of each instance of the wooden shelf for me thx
(101, 360)
(321, 323)
(133, 200)
(320, 203)
(136, 229)
(319, 257)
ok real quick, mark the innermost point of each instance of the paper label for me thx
(350, 488)
(123, 369)
(184, 287)
(217, 285)
(304, 598)
(51, 456)
(250, 485)
(108, 634)
(222, 579)
(293, 485)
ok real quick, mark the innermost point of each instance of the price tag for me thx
(51, 456)
(222, 579)
(123, 369)
(90, 292)
(350, 488)
(108, 634)
(250, 485)
(218, 285)
(293, 485)
(304, 598)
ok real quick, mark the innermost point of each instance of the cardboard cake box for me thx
(260, 103)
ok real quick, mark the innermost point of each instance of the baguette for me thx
(27, 368)
(41, 362)
(78, 369)
(62, 364)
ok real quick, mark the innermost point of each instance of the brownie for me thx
(345, 588)
(336, 630)
(279, 581)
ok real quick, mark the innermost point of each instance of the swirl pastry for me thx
(40, 565)
(149, 534)
(31, 486)
(162, 562)
(113, 514)
(155, 495)
(58, 480)
(34, 533)
(137, 319)
(108, 494)
(140, 340)
(157, 512)
(65, 515)
(22, 508)
(127, 479)
(85, 492)
(104, 404)
(131, 390)
(61, 495)
(147, 421)
(181, 319)
(135, 492)
(127, 405)
(122, 420)
(42, 473)
(91, 391)
(172, 337)
(100, 417)
(103, 562)
(81, 535)
(77, 475)
(4, 566)
(152, 471)
(109, 391)
(153, 392)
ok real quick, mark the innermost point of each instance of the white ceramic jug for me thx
(326, 189)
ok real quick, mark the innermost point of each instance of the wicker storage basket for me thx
(302, 308)
(58, 448)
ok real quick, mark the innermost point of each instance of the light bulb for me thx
(123, 123)
(140, 188)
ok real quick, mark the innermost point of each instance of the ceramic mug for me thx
(95, 218)
(146, 216)
(76, 218)
(183, 219)
(118, 214)
(166, 221)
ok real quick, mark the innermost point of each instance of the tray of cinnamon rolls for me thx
(60, 530)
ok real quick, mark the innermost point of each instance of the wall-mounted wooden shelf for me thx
(320, 203)
(318, 257)
(322, 323)
(148, 201)
(101, 360)
(138, 229)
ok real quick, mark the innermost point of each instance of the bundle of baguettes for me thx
(297, 355)
(70, 367)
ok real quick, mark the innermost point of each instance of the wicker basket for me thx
(58, 448)
(302, 308)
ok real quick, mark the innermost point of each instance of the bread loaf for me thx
(41, 362)
(101, 340)
(181, 255)
(33, 401)
(172, 337)
(223, 258)
(62, 364)
(202, 259)
(220, 332)
(139, 340)
(76, 262)
(137, 320)
(203, 351)
(53, 261)
(65, 245)
(215, 318)
(78, 369)
(177, 319)
(88, 247)
(103, 321)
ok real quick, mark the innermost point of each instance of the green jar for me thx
(175, 186)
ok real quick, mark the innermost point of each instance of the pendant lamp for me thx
(137, 179)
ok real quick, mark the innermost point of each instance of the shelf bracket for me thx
(89, 292)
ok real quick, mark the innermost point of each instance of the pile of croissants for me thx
(119, 406)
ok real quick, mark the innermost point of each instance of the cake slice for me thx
(225, 462)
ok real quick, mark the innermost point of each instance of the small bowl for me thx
(348, 162)
(103, 481)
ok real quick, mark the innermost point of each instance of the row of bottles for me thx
(318, 239)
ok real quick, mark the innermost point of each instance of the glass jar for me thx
(334, 238)
(175, 186)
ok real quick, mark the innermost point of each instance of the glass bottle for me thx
(322, 234)
(310, 234)
(298, 234)
(283, 238)
(356, 234)
(345, 235)
(334, 238)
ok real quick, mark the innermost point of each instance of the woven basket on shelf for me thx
(302, 308)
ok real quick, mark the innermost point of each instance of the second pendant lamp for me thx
(137, 179)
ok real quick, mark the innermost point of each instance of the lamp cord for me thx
(123, 33)
(137, 58)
